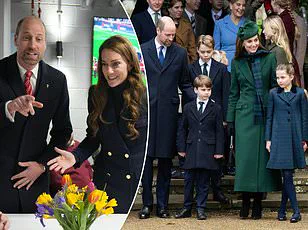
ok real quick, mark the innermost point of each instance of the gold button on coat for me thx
(109, 154)
(126, 155)
(127, 176)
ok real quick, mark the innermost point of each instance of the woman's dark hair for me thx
(133, 95)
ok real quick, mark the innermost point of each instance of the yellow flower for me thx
(46, 216)
(108, 211)
(72, 188)
(100, 205)
(84, 189)
(112, 203)
(95, 196)
(44, 199)
(73, 198)
(66, 179)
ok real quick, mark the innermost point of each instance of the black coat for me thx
(163, 82)
(201, 136)
(144, 26)
(119, 162)
(201, 24)
(25, 139)
(221, 83)
(210, 22)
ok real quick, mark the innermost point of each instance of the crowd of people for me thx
(220, 97)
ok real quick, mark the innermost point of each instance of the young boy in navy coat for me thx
(200, 140)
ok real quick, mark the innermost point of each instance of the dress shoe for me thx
(183, 213)
(256, 209)
(244, 213)
(295, 218)
(221, 198)
(281, 217)
(145, 212)
(163, 213)
(230, 171)
(201, 214)
(177, 174)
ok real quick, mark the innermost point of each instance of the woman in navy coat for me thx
(117, 121)
(286, 134)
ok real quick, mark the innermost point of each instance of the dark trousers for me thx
(163, 182)
(200, 177)
(288, 191)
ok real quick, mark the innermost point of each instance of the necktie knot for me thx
(216, 16)
(156, 15)
(27, 83)
(200, 110)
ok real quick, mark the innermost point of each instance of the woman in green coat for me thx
(253, 75)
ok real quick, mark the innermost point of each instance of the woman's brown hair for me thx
(133, 96)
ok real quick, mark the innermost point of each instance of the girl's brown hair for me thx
(133, 95)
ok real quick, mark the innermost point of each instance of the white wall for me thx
(77, 45)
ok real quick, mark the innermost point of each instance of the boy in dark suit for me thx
(220, 78)
(200, 140)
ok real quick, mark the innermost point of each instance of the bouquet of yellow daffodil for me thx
(74, 208)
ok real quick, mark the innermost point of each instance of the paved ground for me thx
(220, 220)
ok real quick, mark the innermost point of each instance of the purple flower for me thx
(43, 211)
(59, 200)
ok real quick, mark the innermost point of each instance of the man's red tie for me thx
(28, 86)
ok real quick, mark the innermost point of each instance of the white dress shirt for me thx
(219, 13)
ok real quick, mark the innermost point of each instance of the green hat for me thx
(248, 30)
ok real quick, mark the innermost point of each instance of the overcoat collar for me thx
(206, 111)
(292, 92)
(170, 55)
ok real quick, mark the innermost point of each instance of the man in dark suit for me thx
(166, 65)
(212, 12)
(32, 94)
(145, 22)
(220, 77)
(198, 23)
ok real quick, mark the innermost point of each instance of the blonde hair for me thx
(202, 81)
(280, 37)
(288, 5)
(220, 56)
(206, 40)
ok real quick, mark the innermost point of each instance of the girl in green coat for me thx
(253, 75)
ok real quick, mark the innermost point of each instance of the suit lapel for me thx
(196, 68)
(14, 78)
(148, 18)
(285, 99)
(194, 110)
(153, 54)
(207, 109)
(213, 70)
(170, 55)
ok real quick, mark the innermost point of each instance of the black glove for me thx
(231, 130)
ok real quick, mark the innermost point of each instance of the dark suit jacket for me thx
(144, 26)
(119, 163)
(210, 22)
(201, 136)
(163, 82)
(220, 79)
(25, 139)
(201, 24)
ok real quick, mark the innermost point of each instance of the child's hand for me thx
(218, 156)
(268, 146)
(305, 146)
(182, 154)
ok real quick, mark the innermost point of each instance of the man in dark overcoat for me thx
(166, 69)
(32, 94)
(145, 21)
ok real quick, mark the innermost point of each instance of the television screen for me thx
(103, 28)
